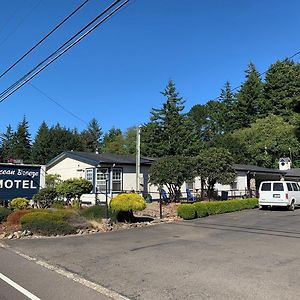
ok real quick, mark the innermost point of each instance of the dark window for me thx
(278, 187)
(266, 187)
(289, 186)
(295, 186)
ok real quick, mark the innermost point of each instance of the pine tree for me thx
(92, 136)
(227, 98)
(113, 142)
(282, 88)
(170, 128)
(41, 146)
(22, 142)
(7, 144)
(249, 99)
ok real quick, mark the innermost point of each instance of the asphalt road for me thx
(38, 281)
(244, 255)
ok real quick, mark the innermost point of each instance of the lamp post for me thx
(106, 191)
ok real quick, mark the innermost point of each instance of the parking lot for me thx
(244, 255)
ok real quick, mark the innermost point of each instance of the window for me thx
(289, 186)
(101, 179)
(117, 180)
(278, 187)
(294, 186)
(233, 185)
(266, 187)
(89, 174)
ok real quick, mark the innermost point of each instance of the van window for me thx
(289, 186)
(266, 187)
(278, 187)
(295, 186)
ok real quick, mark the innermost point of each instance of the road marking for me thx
(75, 277)
(19, 288)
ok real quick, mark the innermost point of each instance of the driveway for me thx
(243, 255)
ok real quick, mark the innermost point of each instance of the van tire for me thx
(292, 206)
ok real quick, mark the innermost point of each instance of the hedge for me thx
(127, 202)
(203, 209)
(186, 211)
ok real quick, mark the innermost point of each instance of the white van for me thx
(279, 193)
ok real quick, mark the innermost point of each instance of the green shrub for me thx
(203, 209)
(58, 205)
(46, 226)
(186, 211)
(95, 212)
(45, 197)
(127, 202)
(19, 203)
(4, 212)
(200, 209)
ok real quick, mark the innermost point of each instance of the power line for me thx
(259, 74)
(44, 38)
(61, 50)
(20, 23)
(58, 104)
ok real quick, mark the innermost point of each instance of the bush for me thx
(4, 212)
(95, 212)
(47, 227)
(47, 222)
(186, 211)
(44, 198)
(19, 203)
(127, 202)
(200, 209)
(57, 205)
(14, 217)
(203, 209)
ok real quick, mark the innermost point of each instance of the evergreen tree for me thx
(7, 144)
(92, 136)
(41, 146)
(22, 147)
(249, 99)
(227, 98)
(282, 88)
(173, 132)
(113, 142)
(130, 140)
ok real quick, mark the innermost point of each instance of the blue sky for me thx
(116, 73)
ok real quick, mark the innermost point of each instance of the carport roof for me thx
(252, 168)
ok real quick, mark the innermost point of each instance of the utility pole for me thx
(138, 158)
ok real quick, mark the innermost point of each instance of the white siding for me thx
(69, 168)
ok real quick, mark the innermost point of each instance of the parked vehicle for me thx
(279, 193)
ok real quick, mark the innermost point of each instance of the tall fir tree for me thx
(22, 142)
(113, 142)
(282, 88)
(41, 146)
(172, 131)
(228, 100)
(249, 99)
(92, 136)
(7, 144)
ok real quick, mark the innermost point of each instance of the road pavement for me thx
(251, 254)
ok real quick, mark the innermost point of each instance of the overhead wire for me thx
(44, 38)
(259, 74)
(62, 49)
(20, 23)
(58, 104)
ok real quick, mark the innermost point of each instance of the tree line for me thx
(257, 124)
(51, 141)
